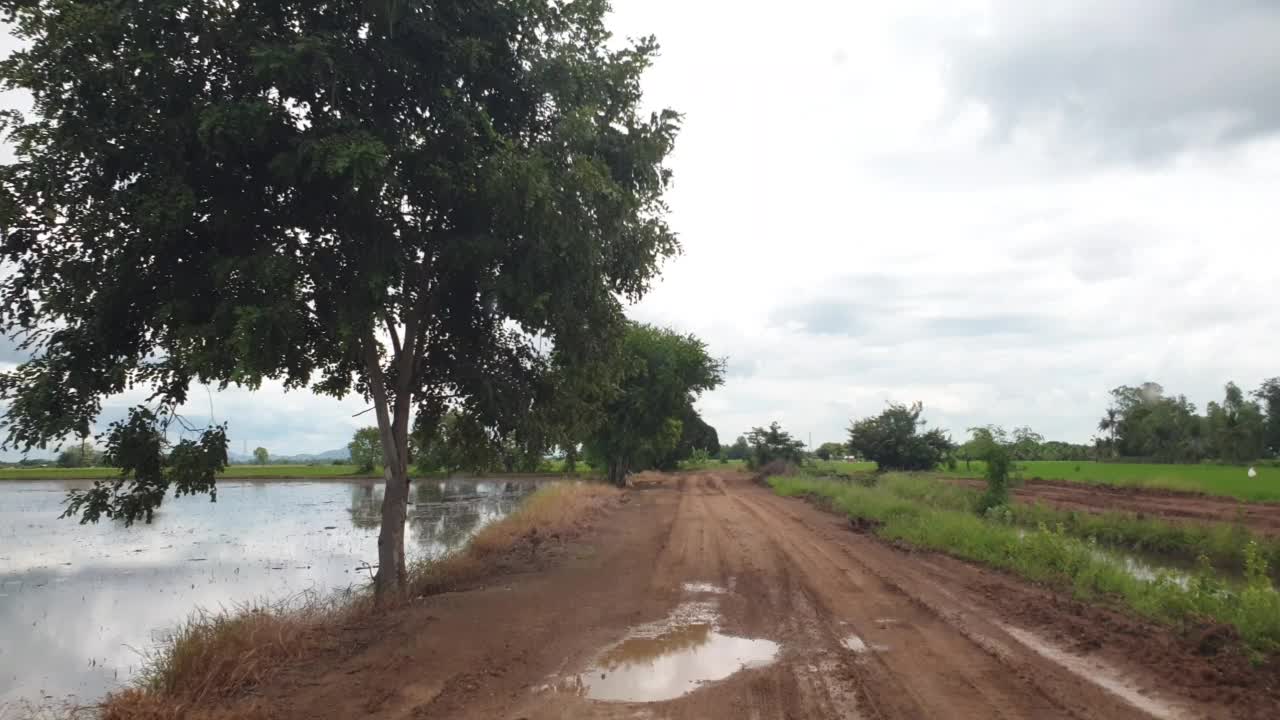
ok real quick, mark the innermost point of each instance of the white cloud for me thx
(1002, 209)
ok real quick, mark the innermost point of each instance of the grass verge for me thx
(214, 655)
(1223, 543)
(1223, 480)
(1053, 557)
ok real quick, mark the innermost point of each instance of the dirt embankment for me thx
(1263, 518)
(861, 630)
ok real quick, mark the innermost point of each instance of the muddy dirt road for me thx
(1262, 518)
(706, 596)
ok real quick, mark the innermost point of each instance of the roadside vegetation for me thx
(1051, 555)
(218, 654)
(1224, 544)
(1210, 479)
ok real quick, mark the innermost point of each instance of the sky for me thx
(1000, 209)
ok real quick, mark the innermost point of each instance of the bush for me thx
(893, 440)
(773, 443)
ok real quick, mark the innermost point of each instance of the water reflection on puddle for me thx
(78, 603)
(858, 645)
(665, 660)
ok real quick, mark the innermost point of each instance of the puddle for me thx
(858, 645)
(665, 660)
(698, 588)
(1099, 674)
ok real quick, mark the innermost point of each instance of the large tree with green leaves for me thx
(895, 441)
(658, 374)
(407, 200)
(1268, 396)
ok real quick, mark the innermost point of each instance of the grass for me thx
(841, 467)
(1223, 543)
(1055, 558)
(1225, 480)
(214, 655)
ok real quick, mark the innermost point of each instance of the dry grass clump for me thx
(556, 511)
(220, 654)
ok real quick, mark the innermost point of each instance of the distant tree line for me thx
(1144, 423)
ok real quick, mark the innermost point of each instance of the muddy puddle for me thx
(667, 659)
(81, 604)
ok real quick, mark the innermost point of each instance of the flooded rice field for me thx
(81, 604)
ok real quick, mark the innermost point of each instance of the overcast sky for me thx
(1000, 209)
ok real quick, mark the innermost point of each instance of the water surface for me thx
(79, 604)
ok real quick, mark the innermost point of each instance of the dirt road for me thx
(678, 583)
(1262, 518)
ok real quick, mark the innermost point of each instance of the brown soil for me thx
(943, 638)
(1263, 518)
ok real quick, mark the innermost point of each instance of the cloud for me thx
(1001, 209)
(1129, 81)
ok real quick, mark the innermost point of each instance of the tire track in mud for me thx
(922, 667)
(864, 631)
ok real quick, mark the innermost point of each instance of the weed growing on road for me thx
(1050, 555)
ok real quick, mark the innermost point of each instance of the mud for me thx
(695, 557)
(1262, 518)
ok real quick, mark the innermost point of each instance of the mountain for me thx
(327, 456)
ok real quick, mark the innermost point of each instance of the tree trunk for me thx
(390, 582)
(618, 473)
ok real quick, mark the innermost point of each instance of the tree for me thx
(829, 450)
(1268, 394)
(366, 448)
(992, 446)
(1027, 444)
(658, 375)
(455, 442)
(739, 450)
(695, 435)
(80, 455)
(260, 455)
(893, 439)
(773, 443)
(407, 200)
(1236, 427)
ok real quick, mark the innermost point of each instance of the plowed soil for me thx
(1262, 518)
(940, 638)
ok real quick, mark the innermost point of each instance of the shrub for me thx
(893, 440)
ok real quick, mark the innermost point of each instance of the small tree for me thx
(80, 455)
(990, 445)
(260, 455)
(366, 448)
(739, 450)
(893, 440)
(829, 450)
(773, 443)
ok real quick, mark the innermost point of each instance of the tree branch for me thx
(395, 336)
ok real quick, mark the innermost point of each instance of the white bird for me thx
(1252, 473)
